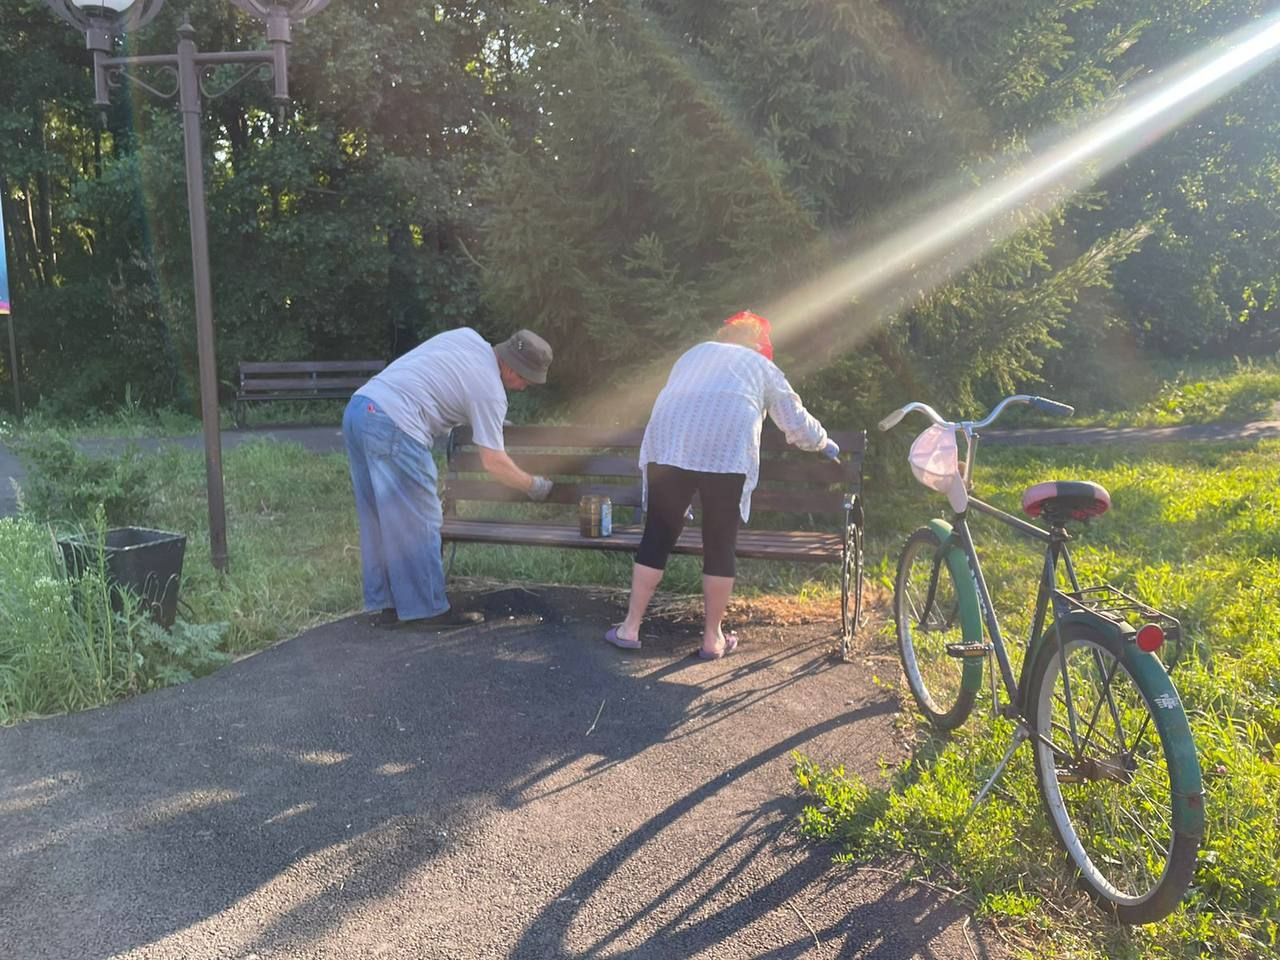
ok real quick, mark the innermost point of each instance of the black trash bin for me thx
(146, 562)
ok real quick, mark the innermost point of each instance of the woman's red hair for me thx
(758, 325)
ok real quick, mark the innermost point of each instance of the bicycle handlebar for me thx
(1043, 404)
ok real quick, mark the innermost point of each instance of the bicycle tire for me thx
(937, 680)
(1112, 806)
(851, 567)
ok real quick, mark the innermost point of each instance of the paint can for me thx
(595, 516)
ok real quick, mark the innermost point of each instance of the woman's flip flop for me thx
(612, 637)
(730, 645)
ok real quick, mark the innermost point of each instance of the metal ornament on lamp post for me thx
(187, 73)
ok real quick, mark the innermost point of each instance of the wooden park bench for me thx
(592, 460)
(301, 380)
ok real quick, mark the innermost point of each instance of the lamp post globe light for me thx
(186, 75)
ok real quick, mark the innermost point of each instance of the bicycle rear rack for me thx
(1116, 605)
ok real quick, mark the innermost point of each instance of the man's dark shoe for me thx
(386, 617)
(450, 618)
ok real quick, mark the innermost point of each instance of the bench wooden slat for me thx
(797, 500)
(816, 471)
(760, 544)
(852, 442)
(262, 380)
(585, 458)
(559, 464)
(794, 500)
(775, 451)
(813, 472)
(306, 366)
(295, 395)
(622, 495)
(515, 437)
(302, 384)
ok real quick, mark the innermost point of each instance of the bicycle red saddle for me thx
(1066, 500)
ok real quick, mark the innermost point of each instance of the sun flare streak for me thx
(964, 229)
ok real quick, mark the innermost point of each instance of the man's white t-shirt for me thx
(450, 380)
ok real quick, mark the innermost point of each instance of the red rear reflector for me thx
(1149, 638)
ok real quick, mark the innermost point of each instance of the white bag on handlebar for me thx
(935, 461)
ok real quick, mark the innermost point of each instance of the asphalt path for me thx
(518, 789)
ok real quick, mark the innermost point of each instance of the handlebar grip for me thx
(1045, 405)
(892, 420)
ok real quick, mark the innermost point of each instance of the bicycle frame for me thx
(958, 535)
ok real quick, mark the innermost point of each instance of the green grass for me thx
(1233, 392)
(1195, 531)
(294, 564)
(291, 533)
(132, 420)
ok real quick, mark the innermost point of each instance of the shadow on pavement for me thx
(469, 793)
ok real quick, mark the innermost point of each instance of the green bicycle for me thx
(1114, 758)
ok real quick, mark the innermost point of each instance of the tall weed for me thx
(64, 644)
(66, 486)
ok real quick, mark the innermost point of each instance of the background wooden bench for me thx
(301, 380)
(590, 460)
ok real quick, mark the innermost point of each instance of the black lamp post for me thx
(101, 22)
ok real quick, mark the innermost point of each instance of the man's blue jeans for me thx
(398, 506)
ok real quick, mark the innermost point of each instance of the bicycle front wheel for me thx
(926, 609)
(1103, 765)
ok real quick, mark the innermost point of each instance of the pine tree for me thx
(697, 159)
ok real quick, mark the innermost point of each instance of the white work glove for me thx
(830, 450)
(540, 489)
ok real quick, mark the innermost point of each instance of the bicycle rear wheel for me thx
(1103, 766)
(926, 609)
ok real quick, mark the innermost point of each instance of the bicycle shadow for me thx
(897, 920)
(614, 745)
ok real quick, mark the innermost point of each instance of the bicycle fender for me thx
(1166, 709)
(1171, 721)
(967, 598)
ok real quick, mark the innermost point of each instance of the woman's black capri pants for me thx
(671, 490)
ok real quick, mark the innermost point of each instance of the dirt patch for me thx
(673, 620)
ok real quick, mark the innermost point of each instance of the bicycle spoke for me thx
(1138, 737)
(1104, 698)
(1097, 657)
(1142, 828)
(1079, 744)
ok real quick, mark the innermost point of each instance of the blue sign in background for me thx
(4, 268)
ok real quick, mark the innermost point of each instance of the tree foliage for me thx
(622, 173)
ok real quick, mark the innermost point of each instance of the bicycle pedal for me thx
(963, 651)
